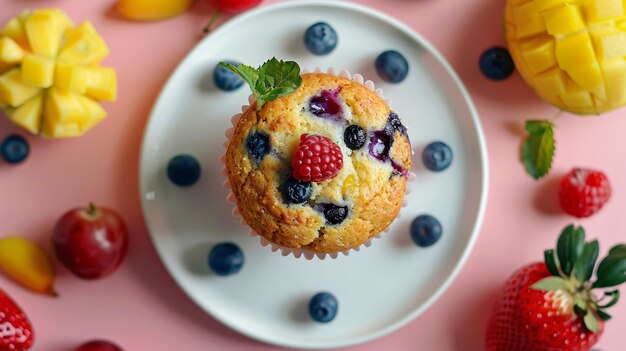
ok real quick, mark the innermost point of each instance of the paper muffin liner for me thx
(298, 253)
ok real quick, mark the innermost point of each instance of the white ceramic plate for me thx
(380, 288)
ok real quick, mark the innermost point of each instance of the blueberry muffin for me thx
(323, 168)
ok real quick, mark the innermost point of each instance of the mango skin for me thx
(571, 52)
(151, 10)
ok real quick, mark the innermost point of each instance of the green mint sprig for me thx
(538, 148)
(572, 265)
(273, 79)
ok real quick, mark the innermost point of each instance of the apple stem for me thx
(216, 15)
(92, 209)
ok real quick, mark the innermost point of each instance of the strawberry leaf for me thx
(550, 261)
(583, 268)
(591, 322)
(538, 148)
(569, 247)
(614, 295)
(618, 249)
(604, 316)
(611, 271)
(553, 284)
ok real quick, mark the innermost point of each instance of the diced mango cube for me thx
(60, 18)
(60, 130)
(70, 77)
(95, 112)
(552, 81)
(64, 107)
(10, 51)
(524, 13)
(83, 46)
(14, 30)
(13, 91)
(545, 5)
(609, 43)
(615, 79)
(28, 115)
(101, 83)
(564, 20)
(577, 99)
(600, 10)
(44, 33)
(38, 71)
(4, 67)
(539, 56)
(576, 56)
(530, 28)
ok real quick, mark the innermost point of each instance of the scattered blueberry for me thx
(258, 145)
(14, 149)
(320, 38)
(323, 307)
(226, 259)
(296, 191)
(183, 170)
(354, 136)
(425, 230)
(326, 105)
(496, 63)
(335, 214)
(225, 79)
(437, 156)
(380, 143)
(392, 66)
(394, 124)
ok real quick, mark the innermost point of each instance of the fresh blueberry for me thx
(394, 124)
(14, 149)
(437, 156)
(354, 136)
(425, 230)
(380, 143)
(320, 38)
(258, 145)
(326, 105)
(296, 191)
(496, 63)
(226, 259)
(225, 79)
(392, 66)
(335, 214)
(183, 170)
(323, 307)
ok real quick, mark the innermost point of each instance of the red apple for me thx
(90, 242)
(99, 345)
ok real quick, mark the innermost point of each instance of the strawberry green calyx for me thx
(273, 79)
(572, 265)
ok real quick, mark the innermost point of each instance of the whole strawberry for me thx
(16, 333)
(584, 192)
(316, 159)
(551, 306)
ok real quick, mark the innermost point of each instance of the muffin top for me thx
(327, 120)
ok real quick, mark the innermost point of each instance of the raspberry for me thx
(316, 159)
(583, 192)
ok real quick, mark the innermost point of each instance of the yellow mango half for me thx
(13, 91)
(151, 10)
(571, 52)
(28, 115)
(83, 46)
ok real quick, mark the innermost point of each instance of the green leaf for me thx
(614, 298)
(580, 305)
(550, 261)
(591, 322)
(569, 246)
(618, 249)
(552, 284)
(273, 79)
(583, 268)
(604, 316)
(611, 271)
(538, 148)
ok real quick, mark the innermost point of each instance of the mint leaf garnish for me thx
(273, 79)
(538, 148)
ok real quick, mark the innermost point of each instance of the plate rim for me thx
(482, 148)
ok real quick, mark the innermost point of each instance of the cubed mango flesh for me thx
(64, 107)
(95, 113)
(38, 71)
(57, 130)
(70, 77)
(44, 33)
(13, 91)
(101, 83)
(83, 46)
(14, 30)
(10, 51)
(29, 114)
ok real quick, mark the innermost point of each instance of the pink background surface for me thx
(141, 308)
